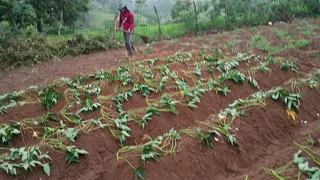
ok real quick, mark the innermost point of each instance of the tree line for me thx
(22, 13)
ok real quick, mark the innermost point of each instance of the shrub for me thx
(26, 48)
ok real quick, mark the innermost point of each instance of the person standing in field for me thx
(127, 21)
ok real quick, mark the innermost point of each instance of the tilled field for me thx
(216, 108)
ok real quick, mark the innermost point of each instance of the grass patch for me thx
(308, 30)
(170, 30)
(232, 43)
(318, 57)
(253, 29)
(282, 33)
(276, 50)
(260, 42)
(238, 30)
(173, 41)
(301, 43)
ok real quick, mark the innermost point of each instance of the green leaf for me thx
(15, 131)
(71, 134)
(192, 105)
(138, 173)
(81, 151)
(46, 169)
(51, 116)
(25, 166)
(149, 154)
(232, 139)
(214, 132)
(2, 132)
(298, 160)
(275, 96)
(24, 156)
(310, 140)
(125, 133)
(316, 175)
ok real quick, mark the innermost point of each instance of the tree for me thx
(50, 12)
(5, 9)
(17, 13)
(139, 4)
(22, 15)
(178, 7)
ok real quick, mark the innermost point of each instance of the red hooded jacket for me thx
(127, 19)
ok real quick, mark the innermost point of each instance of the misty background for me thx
(101, 12)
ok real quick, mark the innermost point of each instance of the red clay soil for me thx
(265, 137)
(46, 72)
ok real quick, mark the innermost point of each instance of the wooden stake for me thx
(160, 33)
(115, 25)
(60, 26)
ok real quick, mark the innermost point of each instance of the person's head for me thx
(122, 8)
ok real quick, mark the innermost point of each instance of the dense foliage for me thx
(20, 14)
(29, 47)
(248, 11)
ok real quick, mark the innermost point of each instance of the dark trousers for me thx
(128, 36)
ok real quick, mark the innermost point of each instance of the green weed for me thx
(282, 33)
(238, 30)
(173, 41)
(308, 32)
(301, 44)
(253, 29)
(277, 49)
(232, 43)
(260, 42)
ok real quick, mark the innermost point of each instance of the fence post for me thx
(195, 11)
(60, 25)
(115, 26)
(160, 33)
